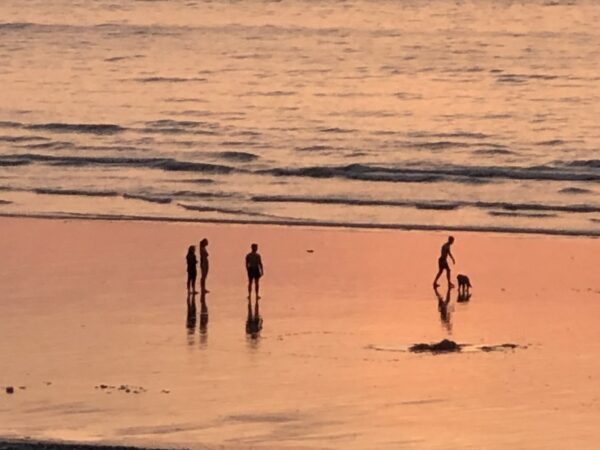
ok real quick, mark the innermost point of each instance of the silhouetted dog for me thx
(464, 284)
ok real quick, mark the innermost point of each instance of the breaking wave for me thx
(493, 151)
(591, 163)
(169, 126)
(80, 192)
(92, 128)
(314, 223)
(204, 208)
(238, 156)
(315, 148)
(520, 214)
(461, 174)
(456, 134)
(148, 198)
(432, 204)
(166, 164)
(18, 139)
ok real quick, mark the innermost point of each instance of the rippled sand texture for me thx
(441, 113)
(86, 304)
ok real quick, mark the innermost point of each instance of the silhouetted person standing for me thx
(254, 267)
(443, 262)
(191, 269)
(203, 264)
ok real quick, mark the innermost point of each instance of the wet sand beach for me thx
(98, 346)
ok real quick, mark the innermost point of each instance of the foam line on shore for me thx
(309, 223)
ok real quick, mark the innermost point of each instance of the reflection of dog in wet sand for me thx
(464, 285)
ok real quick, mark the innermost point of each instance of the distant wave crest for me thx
(85, 193)
(167, 164)
(148, 198)
(428, 204)
(93, 128)
(238, 156)
(461, 174)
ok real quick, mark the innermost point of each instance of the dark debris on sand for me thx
(493, 348)
(444, 346)
(124, 388)
(33, 445)
(448, 346)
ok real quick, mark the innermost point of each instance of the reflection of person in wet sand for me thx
(443, 304)
(191, 313)
(254, 321)
(203, 314)
(254, 267)
(191, 269)
(203, 264)
(443, 262)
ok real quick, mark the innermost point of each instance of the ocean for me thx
(394, 114)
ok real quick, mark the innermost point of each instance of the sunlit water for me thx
(436, 114)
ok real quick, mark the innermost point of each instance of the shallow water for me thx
(373, 113)
(329, 369)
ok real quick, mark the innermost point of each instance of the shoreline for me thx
(590, 234)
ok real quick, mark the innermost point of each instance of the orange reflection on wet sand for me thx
(92, 303)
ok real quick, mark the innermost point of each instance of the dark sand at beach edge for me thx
(22, 444)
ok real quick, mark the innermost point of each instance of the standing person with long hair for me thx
(203, 265)
(191, 269)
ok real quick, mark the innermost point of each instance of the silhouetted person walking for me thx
(254, 267)
(191, 269)
(203, 265)
(443, 262)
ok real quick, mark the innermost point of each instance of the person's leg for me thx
(256, 287)
(437, 277)
(249, 287)
(448, 276)
(194, 283)
(189, 281)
